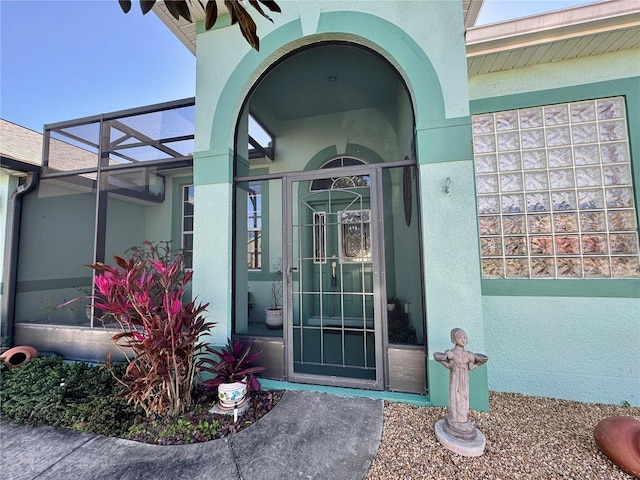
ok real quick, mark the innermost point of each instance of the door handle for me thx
(334, 280)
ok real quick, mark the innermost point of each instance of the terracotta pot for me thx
(619, 439)
(18, 356)
(232, 395)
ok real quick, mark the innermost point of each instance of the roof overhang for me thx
(20, 148)
(587, 30)
(470, 12)
(185, 31)
(17, 167)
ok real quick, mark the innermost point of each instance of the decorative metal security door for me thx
(334, 333)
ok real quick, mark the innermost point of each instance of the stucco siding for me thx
(573, 339)
(212, 247)
(601, 68)
(582, 349)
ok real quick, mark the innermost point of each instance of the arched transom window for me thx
(341, 181)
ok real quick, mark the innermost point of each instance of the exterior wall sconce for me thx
(447, 187)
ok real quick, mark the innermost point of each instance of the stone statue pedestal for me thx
(467, 448)
(456, 431)
(461, 431)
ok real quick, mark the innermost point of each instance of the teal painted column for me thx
(212, 239)
(439, 385)
(451, 251)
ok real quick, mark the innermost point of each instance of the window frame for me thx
(256, 215)
(188, 265)
(582, 287)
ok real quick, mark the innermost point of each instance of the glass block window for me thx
(187, 225)
(555, 193)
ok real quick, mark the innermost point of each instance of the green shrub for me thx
(72, 395)
(48, 391)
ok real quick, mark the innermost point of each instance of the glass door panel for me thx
(334, 331)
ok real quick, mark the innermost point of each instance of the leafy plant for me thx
(158, 331)
(400, 332)
(49, 308)
(239, 15)
(233, 364)
(49, 391)
(395, 301)
(160, 250)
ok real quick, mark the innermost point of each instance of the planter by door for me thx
(273, 318)
(232, 395)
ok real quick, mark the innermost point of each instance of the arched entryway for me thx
(326, 220)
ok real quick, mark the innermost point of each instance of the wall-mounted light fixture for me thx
(447, 187)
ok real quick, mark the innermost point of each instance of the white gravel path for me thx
(527, 438)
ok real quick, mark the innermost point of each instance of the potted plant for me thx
(234, 374)
(273, 314)
(394, 304)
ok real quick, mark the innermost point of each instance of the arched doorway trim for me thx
(379, 35)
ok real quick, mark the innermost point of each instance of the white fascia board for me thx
(562, 24)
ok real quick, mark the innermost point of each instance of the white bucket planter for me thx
(232, 395)
(273, 318)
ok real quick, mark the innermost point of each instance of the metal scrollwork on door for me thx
(355, 236)
(350, 182)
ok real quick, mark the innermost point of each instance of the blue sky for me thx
(500, 10)
(61, 60)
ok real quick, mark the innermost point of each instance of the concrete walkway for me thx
(306, 436)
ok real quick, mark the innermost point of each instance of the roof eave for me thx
(553, 26)
(184, 30)
(471, 11)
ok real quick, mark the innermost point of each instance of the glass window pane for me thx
(258, 255)
(188, 201)
(404, 283)
(74, 148)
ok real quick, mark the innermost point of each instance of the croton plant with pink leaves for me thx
(158, 331)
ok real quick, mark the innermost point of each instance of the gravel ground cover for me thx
(527, 438)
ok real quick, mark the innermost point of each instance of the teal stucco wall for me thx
(424, 42)
(572, 339)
